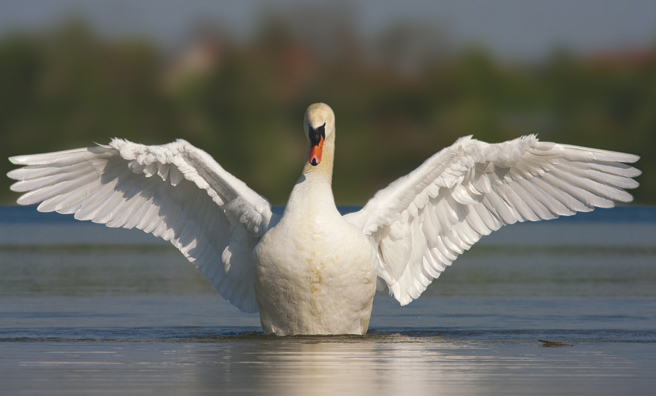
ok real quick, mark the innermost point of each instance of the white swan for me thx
(312, 270)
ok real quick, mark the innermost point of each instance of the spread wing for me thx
(174, 191)
(421, 222)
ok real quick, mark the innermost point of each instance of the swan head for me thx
(319, 125)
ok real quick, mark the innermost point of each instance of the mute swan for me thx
(312, 270)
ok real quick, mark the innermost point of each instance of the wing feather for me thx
(174, 191)
(423, 221)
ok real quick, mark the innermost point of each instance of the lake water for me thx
(89, 310)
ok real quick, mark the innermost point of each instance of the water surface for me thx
(85, 309)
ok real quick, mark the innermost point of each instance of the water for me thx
(85, 309)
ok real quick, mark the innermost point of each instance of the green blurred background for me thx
(236, 81)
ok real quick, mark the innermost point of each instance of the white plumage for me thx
(313, 271)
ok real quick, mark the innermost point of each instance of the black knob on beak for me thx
(315, 135)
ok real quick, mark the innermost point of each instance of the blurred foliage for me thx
(398, 99)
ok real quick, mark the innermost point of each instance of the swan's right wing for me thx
(175, 191)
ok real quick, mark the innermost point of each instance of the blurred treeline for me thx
(399, 97)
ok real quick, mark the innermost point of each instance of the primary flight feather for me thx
(312, 270)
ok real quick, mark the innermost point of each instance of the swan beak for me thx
(317, 136)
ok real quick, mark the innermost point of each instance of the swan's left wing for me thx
(421, 222)
(174, 191)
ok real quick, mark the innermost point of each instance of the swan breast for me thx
(315, 277)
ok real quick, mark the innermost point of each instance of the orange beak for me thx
(316, 137)
(315, 152)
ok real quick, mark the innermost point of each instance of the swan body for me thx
(312, 270)
(315, 272)
(303, 260)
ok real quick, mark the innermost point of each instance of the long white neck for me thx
(313, 192)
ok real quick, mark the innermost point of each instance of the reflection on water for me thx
(85, 309)
(387, 365)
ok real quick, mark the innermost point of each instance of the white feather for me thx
(483, 187)
(113, 185)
